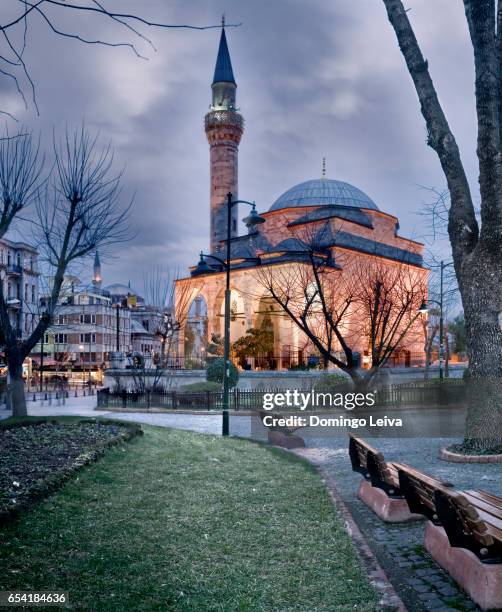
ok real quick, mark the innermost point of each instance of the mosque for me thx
(353, 229)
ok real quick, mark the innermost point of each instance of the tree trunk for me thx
(446, 355)
(427, 362)
(16, 388)
(481, 300)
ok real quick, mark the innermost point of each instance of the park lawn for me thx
(175, 520)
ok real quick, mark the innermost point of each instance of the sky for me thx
(315, 79)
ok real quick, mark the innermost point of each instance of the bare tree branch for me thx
(463, 227)
(49, 11)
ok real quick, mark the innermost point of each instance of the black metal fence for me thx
(412, 394)
(433, 393)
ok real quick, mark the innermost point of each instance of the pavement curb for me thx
(447, 455)
(377, 576)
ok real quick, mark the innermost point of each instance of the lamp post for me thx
(252, 220)
(82, 354)
(440, 303)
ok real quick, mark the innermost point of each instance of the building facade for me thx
(349, 229)
(86, 329)
(19, 277)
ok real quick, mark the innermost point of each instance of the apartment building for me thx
(87, 327)
(19, 277)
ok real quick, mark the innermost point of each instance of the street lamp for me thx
(252, 220)
(442, 266)
(82, 354)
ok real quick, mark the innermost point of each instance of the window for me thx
(26, 292)
(87, 318)
(61, 338)
(87, 338)
(62, 319)
(33, 294)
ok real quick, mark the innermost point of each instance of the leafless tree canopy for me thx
(172, 300)
(369, 299)
(77, 211)
(20, 173)
(19, 15)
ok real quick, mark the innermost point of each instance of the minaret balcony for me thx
(218, 118)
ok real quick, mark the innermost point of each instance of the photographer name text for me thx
(313, 420)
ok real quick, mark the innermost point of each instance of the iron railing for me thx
(423, 394)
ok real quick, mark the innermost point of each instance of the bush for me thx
(216, 369)
(466, 374)
(331, 383)
(200, 387)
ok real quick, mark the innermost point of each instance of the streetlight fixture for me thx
(252, 220)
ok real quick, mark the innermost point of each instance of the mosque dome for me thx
(323, 192)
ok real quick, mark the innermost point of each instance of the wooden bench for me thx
(468, 545)
(472, 520)
(419, 491)
(281, 435)
(372, 465)
(380, 488)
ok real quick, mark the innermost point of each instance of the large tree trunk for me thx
(16, 388)
(481, 301)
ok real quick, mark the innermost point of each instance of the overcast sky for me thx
(315, 78)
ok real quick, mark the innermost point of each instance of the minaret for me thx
(96, 277)
(224, 128)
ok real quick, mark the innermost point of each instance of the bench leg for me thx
(389, 509)
(482, 581)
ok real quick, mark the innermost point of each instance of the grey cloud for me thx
(314, 79)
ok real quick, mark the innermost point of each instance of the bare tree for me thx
(476, 250)
(172, 301)
(19, 15)
(77, 210)
(337, 305)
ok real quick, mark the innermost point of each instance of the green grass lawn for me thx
(175, 520)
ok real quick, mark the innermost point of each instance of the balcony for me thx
(14, 269)
(14, 303)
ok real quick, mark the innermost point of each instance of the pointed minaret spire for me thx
(96, 277)
(223, 72)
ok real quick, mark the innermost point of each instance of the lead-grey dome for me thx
(324, 192)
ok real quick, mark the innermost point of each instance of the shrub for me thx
(331, 383)
(200, 386)
(466, 374)
(216, 369)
